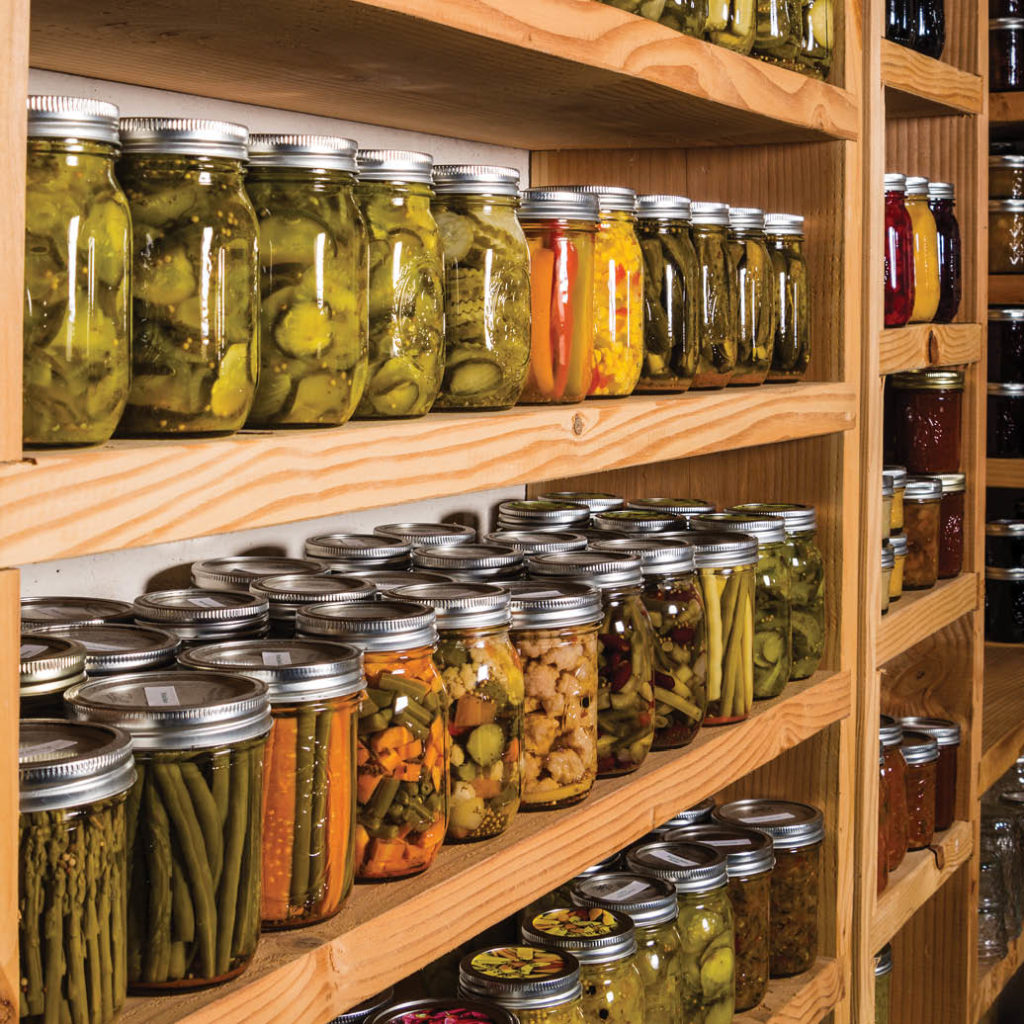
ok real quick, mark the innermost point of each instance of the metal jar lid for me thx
(237, 572)
(709, 213)
(49, 664)
(721, 550)
(1011, 313)
(371, 625)
(427, 535)
(783, 224)
(887, 487)
(602, 570)
(694, 815)
(521, 977)
(662, 207)
(64, 764)
(922, 488)
(184, 136)
(747, 851)
(791, 825)
(460, 605)
(475, 180)
(437, 1010)
(609, 863)
(943, 731)
(397, 165)
(211, 611)
(287, 594)
(1007, 390)
(295, 671)
(690, 867)
(919, 748)
(897, 476)
(883, 961)
(594, 935)
(766, 529)
(364, 1011)
(941, 190)
(386, 580)
(359, 549)
(746, 218)
(888, 556)
(175, 710)
(596, 501)
(113, 647)
(657, 557)
(536, 512)
(313, 152)
(551, 604)
(928, 380)
(796, 518)
(898, 543)
(610, 198)
(646, 901)
(456, 559)
(895, 183)
(890, 732)
(952, 483)
(558, 203)
(1006, 205)
(917, 185)
(1002, 528)
(1006, 159)
(681, 507)
(45, 611)
(638, 521)
(72, 117)
(538, 542)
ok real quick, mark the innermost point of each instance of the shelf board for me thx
(917, 879)
(538, 74)
(131, 493)
(1004, 473)
(920, 613)
(805, 999)
(314, 973)
(919, 346)
(1006, 107)
(919, 86)
(1002, 728)
(1006, 289)
(992, 980)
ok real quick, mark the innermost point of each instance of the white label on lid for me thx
(205, 602)
(761, 819)
(31, 650)
(162, 696)
(36, 750)
(626, 892)
(727, 842)
(277, 658)
(401, 703)
(672, 858)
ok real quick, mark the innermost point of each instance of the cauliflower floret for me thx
(532, 646)
(567, 657)
(582, 743)
(532, 770)
(554, 705)
(575, 716)
(565, 766)
(540, 733)
(568, 684)
(540, 679)
(544, 785)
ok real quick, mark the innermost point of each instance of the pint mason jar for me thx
(716, 303)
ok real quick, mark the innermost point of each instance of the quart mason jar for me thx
(195, 277)
(204, 616)
(901, 21)
(471, 563)
(942, 202)
(716, 304)
(193, 819)
(791, 351)
(777, 35)
(76, 360)
(926, 251)
(309, 800)
(110, 648)
(313, 280)
(754, 295)
(596, 501)
(682, 508)
(238, 572)
(732, 24)
(817, 43)
(72, 870)
(899, 249)
(487, 286)
(931, 28)
(286, 594)
(402, 750)
(47, 666)
(428, 535)
(537, 542)
(638, 522)
(686, 16)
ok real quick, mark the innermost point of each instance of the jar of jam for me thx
(947, 735)
(716, 301)
(471, 563)
(923, 519)
(1004, 605)
(894, 774)
(1006, 174)
(791, 352)
(926, 249)
(1006, 421)
(931, 28)
(921, 752)
(348, 553)
(901, 21)
(542, 514)
(883, 986)
(888, 564)
(1006, 232)
(898, 476)
(942, 202)
(951, 524)
(1004, 543)
(923, 413)
(899, 251)
(882, 856)
(1005, 53)
(1006, 344)
(887, 503)
(898, 543)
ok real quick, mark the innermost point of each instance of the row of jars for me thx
(917, 24)
(1004, 581)
(795, 34)
(1005, 407)
(923, 255)
(1001, 877)
(1005, 43)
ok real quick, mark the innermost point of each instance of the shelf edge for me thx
(932, 87)
(920, 346)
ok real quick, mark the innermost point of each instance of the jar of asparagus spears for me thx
(683, 508)
(349, 553)
(428, 535)
(204, 616)
(538, 542)
(47, 666)
(676, 609)
(406, 284)
(287, 594)
(195, 283)
(715, 296)
(791, 353)
(471, 563)
(308, 837)
(625, 653)
(754, 295)
(193, 815)
(542, 514)
(239, 571)
(772, 625)
(76, 361)
(402, 785)
(487, 286)
(483, 679)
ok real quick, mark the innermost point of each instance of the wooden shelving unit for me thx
(1006, 289)
(1006, 108)
(1006, 473)
(1002, 737)
(919, 86)
(993, 978)
(921, 346)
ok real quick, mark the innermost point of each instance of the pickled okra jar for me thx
(717, 326)
(921, 752)
(452, 1010)
(348, 553)
(487, 286)
(286, 594)
(72, 870)
(47, 666)
(76, 361)
(403, 779)
(195, 277)
(239, 572)
(471, 563)
(894, 772)
(684, 508)
(753, 295)
(791, 352)
(46, 611)
(542, 514)
(428, 535)
(204, 616)
(193, 819)
(883, 985)
(537, 542)
(922, 511)
(113, 648)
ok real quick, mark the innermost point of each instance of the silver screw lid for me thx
(371, 625)
(783, 224)
(657, 557)
(43, 611)
(602, 570)
(594, 935)
(638, 521)
(1013, 313)
(943, 731)
(898, 543)
(49, 664)
(747, 851)
(313, 152)
(694, 815)
(888, 489)
(1006, 205)
(923, 488)
(888, 555)
(386, 580)
(890, 732)
(532, 513)
(397, 165)
(72, 117)
(521, 977)
(941, 190)
(895, 183)
(558, 204)
(427, 535)
(690, 867)
(359, 549)
(287, 594)
(927, 380)
(1006, 390)
(113, 647)
(550, 604)
(460, 605)
(475, 179)
(681, 507)
(720, 550)
(663, 207)
(767, 529)
(596, 501)
(796, 518)
(194, 606)
(610, 198)
(460, 558)
(896, 475)
(1006, 159)
(709, 213)
(454, 1008)
(538, 542)
(993, 528)
(238, 571)
(184, 136)
(746, 218)
(952, 483)
(791, 825)
(883, 961)
(917, 185)
(646, 901)
(364, 1011)
(919, 748)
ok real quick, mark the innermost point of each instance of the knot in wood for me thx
(578, 425)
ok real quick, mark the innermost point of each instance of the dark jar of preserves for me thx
(1006, 345)
(901, 21)
(899, 249)
(1006, 421)
(947, 735)
(921, 752)
(1004, 543)
(882, 855)
(1006, 171)
(922, 512)
(1006, 54)
(890, 732)
(951, 524)
(931, 28)
(1004, 605)
(942, 203)
(923, 412)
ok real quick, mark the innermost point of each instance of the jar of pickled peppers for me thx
(947, 735)
(890, 734)
(753, 295)
(897, 476)
(715, 297)
(899, 253)
(923, 414)
(926, 251)
(204, 616)
(350, 553)
(922, 511)
(791, 351)
(921, 752)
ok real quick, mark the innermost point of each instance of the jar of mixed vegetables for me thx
(453, 1010)
(754, 295)
(471, 563)
(287, 594)
(402, 750)
(537, 542)
(43, 611)
(313, 280)
(791, 353)
(195, 277)
(542, 514)
(715, 297)
(204, 616)
(487, 286)
(240, 571)
(47, 666)
(110, 648)
(683, 508)
(72, 870)
(76, 360)
(193, 819)
(350, 553)
(428, 535)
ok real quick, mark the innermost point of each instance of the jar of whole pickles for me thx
(113, 648)
(48, 611)
(791, 350)
(798, 832)
(1006, 344)
(625, 653)
(754, 295)
(403, 779)
(204, 616)
(1004, 545)
(890, 734)
(715, 295)
(487, 286)
(683, 508)
(483, 681)
(428, 535)
(285, 595)
(542, 514)
(926, 251)
(686, 16)
(923, 412)
(561, 228)
(947, 735)
(732, 25)
(641, 522)
(817, 43)
(349, 553)
(195, 277)
(72, 869)
(47, 666)
(921, 752)
(671, 286)
(883, 985)
(240, 571)
(897, 476)
(1005, 421)
(942, 201)
(554, 629)
(313, 280)
(898, 252)
(898, 543)
(471, 563)
(537, 542)
(1006, 232)
(923, 517)
(888, 564)
(193, 819)
(951, 524)
(308, 832)
(453, 1010)
(76, 361)
(779, 24)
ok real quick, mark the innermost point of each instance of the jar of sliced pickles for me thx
(240, 571)
(483, 681)
(193, 819)
(561, 228)
(732, 25)
(308, 833)
(76, 360)
(112, 648)
(716, 300)
(195, 277)
(897, 476)
(778, 28)
(888, 564)
(350, 553)
(47, 611)
(428, 535)
(683, 508)
(471, 563)
(47, 666)
(817, 43)
(890, 734)
(204, 616)
(543, 514)
(898, 543)
(754, 295)
(922, 510)
(313, 280)
(285, 595)
(791, 352)
(487, 286)
(72, 865)
(686, 16)
(537, 542)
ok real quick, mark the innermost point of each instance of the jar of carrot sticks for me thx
(310, 768)
(402, 748)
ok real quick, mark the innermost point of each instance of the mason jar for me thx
(791, 352)
(471, 563)
(732, 25)
(888, 565)
(47, 666)
(454, 1008)
(753, 295)
(883, 985)
(537, 542)
(596, 501)
(684, 508)
(238, 572)
(46, 611)
(113, 648)
(716, 301)
(922, 510)
(350, 553)
(897, 476)
(898, 543)
(640, 522)
(890, 734)
(947, 735)
(888, 503)
(778, 28)
(428, 535)
(543, 514)
(363, 1013)
(286, 594)
(921, 752)
(204, 616)
(386, 580)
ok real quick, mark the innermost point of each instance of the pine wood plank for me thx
(1006, 107)
(919, 346)
(1006, 289)
(1005, 473)
(1003, 721)
(805, 999)
(919, 86)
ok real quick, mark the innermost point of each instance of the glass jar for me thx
(1006, 344)
(926, 250)
(732, 25)
(286, 594)
(596, 501)
(897, 476)
(1006, 232)
(883, 985)
(471, 563)
(1006, 176)
(238, 572)
(890, 734)
(682, 508)
(882, 855)
(48, 611)
(778, 30)
(798, 832)
(112, 648)
(537, 542)
(313, 280)
(791, 351)
(947, 735)
(543, 514)
(351, 553)
(686, 16)
(992, 939)
(716, 303)
(636, 521)
(193, 819)
(72, 870)
(453, 1010)
(671, 286)
(561, 229)
(1005, 45)
(204, 616)
(195, 277)
(899, 243)
(901, 21)
(47, 666)
(428, 535)
(308, 833)
(921, 753)
(754, 295)
(406, 297)
(76, 361)
(923, 412)
(699, 814)
(898, 543)
(888, 564)
(554, 629)
(403, 786)
(931, 28)
(951, 524)
(888, 494)
(1006, 421)
(625, 653)
(1000, 840)
(818, 40)
(1004, 605)
(1004, 545)
(942, 202)
(487, 286)
(923, 517)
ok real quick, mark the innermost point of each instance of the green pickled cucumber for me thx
(395, 389)
(289, 239)
(231, 391)
(303, 330)
(315, 395)
(473, 377)
(165, 280)
(486, 744)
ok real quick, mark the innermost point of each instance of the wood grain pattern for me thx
(805, 999)
(919, 86)
(919, 346)
(10, 616)
(1005, 473)
(1006, 107)
(1006, 289)
(920, 613)
(1003, 720)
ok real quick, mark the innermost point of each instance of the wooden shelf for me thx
(992, 980)
(1006, 107)
(1002, 728)
(805, 999)
(920, 613)
(1006, 289)
(919, 86)
(919, 346)
(917, 879)
(312, 974)
(1004, 473)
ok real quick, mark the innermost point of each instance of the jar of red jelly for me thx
(1006, 345)
(882, 860)
(923, 412)
(921, 752)
(947, 735)
(942, 202)
(899, 253)
(1006, 421)
(890, 733)
(951, 524)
